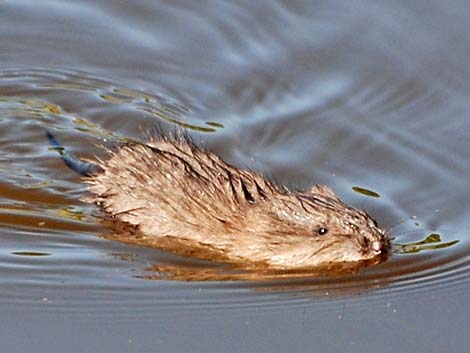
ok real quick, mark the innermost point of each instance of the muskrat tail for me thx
(78, 166)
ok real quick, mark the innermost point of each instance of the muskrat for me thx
(171, 191)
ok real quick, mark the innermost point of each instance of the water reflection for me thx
(372, 94)
(155, 107)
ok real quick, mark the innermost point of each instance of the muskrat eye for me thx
(322, 231)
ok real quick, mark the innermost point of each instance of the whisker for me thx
(398, 224)
(363, 203)
(412, 231)
(128, 211)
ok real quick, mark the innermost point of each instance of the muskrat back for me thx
(170, 189)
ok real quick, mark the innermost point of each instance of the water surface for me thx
(372, 94)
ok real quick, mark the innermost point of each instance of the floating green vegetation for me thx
(52, 108)
(214, 124)
(114, 99)
(69, 213)
(412, 248)
(30, 253)
(123, 95)
(157, 106)
(28, 107)
(176, 121)
(365, 192)
(83, 122)
(88, 127)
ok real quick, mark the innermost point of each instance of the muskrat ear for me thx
(324, 190)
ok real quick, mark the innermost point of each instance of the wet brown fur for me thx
(181, 198)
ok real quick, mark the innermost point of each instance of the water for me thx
(360, 93)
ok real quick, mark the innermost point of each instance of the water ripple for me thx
(338, 93)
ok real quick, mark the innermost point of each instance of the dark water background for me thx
(368, 93)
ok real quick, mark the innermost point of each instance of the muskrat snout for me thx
(377, 246)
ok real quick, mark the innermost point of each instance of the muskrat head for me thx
(318, 228)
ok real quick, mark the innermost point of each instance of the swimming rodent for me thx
(178, 196)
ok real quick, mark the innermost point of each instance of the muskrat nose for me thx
(376, 245)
